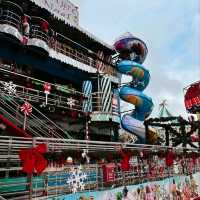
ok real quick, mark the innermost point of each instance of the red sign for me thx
(192, 96)
(109, 172)
(47, 88)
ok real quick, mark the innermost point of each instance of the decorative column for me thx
(106, 94)
(87, 104)
(87, 92)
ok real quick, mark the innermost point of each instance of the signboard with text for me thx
(62, 9)
(192, 98)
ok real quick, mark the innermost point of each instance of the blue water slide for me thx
(133, 92)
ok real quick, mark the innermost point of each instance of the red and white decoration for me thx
(47, 90)
(26, 108)
(109, 172)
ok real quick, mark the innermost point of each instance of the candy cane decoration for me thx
(26, 108)
(47, 89)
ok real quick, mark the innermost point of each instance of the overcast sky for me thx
(171, 30)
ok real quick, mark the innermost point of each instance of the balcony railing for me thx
(11, 19)
(38, 37)
(37, 124)
(60, 100)
(89, 58)
(53, 181)
(11, 14)
(36, 32)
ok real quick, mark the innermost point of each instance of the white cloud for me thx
(171, 30)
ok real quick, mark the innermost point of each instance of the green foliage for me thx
(119, 196)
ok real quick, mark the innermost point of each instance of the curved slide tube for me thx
(133, 93)
(132, 53)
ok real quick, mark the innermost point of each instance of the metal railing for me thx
(11, 18)
(84, 55)
(6, 70)
(36, 32)
(37, 96)
(90, 58)
(53, 182)
(11, 14)
(60, 100)
(37, 124)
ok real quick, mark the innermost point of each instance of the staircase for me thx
(37, 124)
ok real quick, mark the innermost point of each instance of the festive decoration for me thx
(125, 158)
(76, 179)
(87, 130)
(192, 98)
(47, 89)
(85, 155)
(2, 126)
(26, 108)
(33, 159)
(87, 92)
(109, 172)
(71, 102)
(106, 94)
(176, 129)
(69, 160)
(9, 87)
(169, 160)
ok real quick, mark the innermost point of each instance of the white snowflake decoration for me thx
(9, 87)
(71, 102)
(76, 179)
(2, 126)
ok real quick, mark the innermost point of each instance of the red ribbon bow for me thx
(33, 159)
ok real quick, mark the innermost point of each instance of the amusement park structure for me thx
(192, 98)
(163, 110)
(61, 80)
(174, 129)
(65, 74)
(132, 53)
(60, 91)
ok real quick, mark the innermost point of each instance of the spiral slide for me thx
(133, 92)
